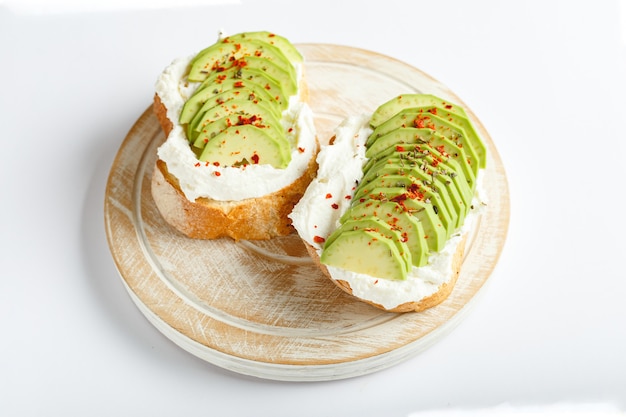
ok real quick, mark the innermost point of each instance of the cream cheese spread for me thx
(197, 179)
(328, 197)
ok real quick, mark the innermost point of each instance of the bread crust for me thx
(432, 300)
(250, 219)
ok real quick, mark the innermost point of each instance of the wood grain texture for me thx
(263, 308)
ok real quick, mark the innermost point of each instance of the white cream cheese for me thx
(197, 179)
(328, 197)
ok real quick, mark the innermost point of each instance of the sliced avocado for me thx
(258, 76)
(399, 171)
(287, 48)
(249, 111)
(210, 131)
(410, 228)
(425, 120)
(217, 56)
(435, 232)
(445, 169)
(239, 94)
(444, 122)
(403, 136)
(392, 107)
(247, 144)
(286, 77)
(416, 188)
(217, 93)
(367, 252)
(370, 223)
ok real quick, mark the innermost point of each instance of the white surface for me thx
(547, 79)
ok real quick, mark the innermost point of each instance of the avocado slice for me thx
(290, 51)
(365, 250)
(258, 76)
(392, 107)
(410, 136)
(444, 122)
(218, 93)
(434, 231)
(238, 117)
(416, 188)
(218, 56)
(410, 228)
(432, 163)
(247, 144)
(224, 99)
(400, 172)
(425, 120)
(286, 77)
(244, 112)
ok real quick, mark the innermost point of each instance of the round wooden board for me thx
(263, 308)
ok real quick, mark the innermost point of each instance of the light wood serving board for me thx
(263, 308)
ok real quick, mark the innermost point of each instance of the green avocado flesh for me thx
(244, 85)
(416, 191)
(247, 145)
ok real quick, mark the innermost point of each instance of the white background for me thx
(546, 78)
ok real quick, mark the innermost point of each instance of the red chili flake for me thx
(441, 149)
(335, 206)
(290, 130)
(419, 123)
(329, 195)
(399, 198)
(216, 163)
(238, 84)
(318, 239)
(348, 197)
(257, 53)
(300, 149)
(433, 111)
(405, 237)
(400, 148)
(255, 159)
(197, 164)
(414, 192)
(241, 62)
(448, 106)
(247, 120)
(271, 35)
(217, 173)
(237, 46)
